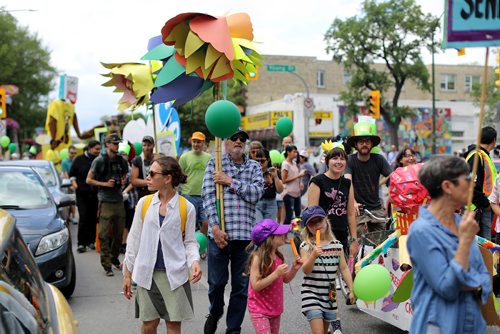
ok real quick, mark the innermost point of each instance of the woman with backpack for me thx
(161, 248)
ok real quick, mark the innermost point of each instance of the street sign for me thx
(308, 103)
(281, 68)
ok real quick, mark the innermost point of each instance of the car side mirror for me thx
(66, 200)
(65, 183)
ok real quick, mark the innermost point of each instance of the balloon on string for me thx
(223, 118)
(12, 147)
(276, 157)
(284, 126)
(64, 153)
(138, 148)
(202, 241)
(4, 141)
(372, 282)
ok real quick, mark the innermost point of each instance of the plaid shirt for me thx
(239, 198)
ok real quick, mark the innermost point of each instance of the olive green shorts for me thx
(162, 302)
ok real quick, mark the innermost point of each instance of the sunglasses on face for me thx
(240, 138)
(152, 173)
(467, 178)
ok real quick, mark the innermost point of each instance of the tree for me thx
(491, 101)
(192, 114)
(392, 33)
(24, 62)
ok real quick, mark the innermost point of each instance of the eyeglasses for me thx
(152, 173)
(409, 156)
(240, 138)
(364, 140)
(467, 178)
(261, 160)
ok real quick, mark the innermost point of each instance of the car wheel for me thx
(70, 288)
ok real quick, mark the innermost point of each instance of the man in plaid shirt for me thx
(243, 186)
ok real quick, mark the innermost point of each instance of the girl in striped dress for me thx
(321, 262)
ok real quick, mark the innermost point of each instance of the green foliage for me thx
(392, 34)
(492, 98)
(192, 114)
(24, 62)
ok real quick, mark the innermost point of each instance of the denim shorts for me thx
(328, 316)
(197, 201)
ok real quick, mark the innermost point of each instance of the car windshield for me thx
(22, 190)
(47, 175)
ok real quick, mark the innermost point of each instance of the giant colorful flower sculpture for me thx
(134, 80)
(198, 50)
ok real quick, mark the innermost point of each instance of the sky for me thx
(81, 34)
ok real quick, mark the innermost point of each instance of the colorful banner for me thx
(471, 23)
(415, 131)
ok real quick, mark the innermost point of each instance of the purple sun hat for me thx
(265, 228)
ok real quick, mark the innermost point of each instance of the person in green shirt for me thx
(193, 164)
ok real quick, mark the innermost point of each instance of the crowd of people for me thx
(149, 207)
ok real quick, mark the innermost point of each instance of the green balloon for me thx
(4, 141)
(372, 282)
(284, 126)
(63, 153)
(223, 118)
(138, 148)
(276, 157)
(33, 150)
(12, 147)
(202, 241)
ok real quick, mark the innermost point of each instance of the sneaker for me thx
(210, 325)
(92, 246)
(109, 272)
(81, 249)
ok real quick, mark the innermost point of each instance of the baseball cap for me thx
(198, 136)
(304, 154)
(240, 131)
(265, 228)
(311, 212)
(149, 139)
(112, 138)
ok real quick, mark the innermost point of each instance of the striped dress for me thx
(315, 287)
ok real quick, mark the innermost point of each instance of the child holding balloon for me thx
(322, 256)
(268, 272)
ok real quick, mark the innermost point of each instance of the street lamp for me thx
(307, 111)
(434, 135)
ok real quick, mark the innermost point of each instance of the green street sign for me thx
(281, 68)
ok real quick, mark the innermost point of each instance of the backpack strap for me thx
(182, 211)
(183, 214)
(145, 205)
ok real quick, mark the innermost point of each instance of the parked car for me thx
(24, 195)
(28, 304)
(50, 176)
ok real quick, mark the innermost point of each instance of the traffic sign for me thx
(281, 68)
(308, 103)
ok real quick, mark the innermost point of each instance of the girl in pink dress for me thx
(268, 272)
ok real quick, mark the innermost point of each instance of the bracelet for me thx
(353, 239)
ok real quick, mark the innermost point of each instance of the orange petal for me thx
(240, 26)
(215, 32)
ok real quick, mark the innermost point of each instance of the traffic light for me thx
(252, 76)
(497, 70)
(375, 103)
(3, 103)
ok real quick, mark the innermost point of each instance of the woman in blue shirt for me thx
(450, 279)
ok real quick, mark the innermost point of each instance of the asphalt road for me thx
(99, 306)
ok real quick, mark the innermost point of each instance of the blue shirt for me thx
(438, 295)
(239, 198)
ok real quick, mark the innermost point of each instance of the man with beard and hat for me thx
(365, 169)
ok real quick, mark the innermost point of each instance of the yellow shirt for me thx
(63, 112)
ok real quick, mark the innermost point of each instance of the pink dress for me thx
(268, 301)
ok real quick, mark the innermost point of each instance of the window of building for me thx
(457, 133)
(471, 80)
(320, 79)
(448, 82)
(346, 77)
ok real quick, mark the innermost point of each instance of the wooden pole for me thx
(219, 188)
(480, 127)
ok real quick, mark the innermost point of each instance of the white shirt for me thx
(142, 243)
